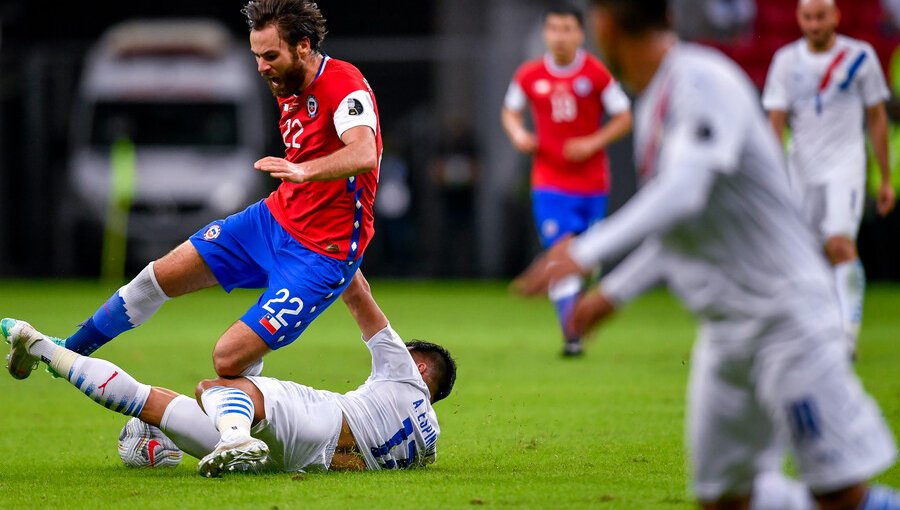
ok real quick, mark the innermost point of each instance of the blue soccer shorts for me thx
(250, 250)
(557, 214)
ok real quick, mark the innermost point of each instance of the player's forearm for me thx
(362, 306)
(640, 271)
(355, 158)
(613, 131)
(778, 120)
(513, 123)
(665, 201)
(878, 133)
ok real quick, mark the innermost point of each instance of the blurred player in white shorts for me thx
(260, 423)
(715, 221)
(822, 85)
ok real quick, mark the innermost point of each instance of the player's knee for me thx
(840, 249)
(203, 386)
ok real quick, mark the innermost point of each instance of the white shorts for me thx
(302, 424)
(800, 383)
(835, 207)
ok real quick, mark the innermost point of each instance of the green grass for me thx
(523, 428)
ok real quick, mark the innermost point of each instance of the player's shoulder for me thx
(855, 44)
(531, 69)
(705, 75)
(789, 51)
(342, 77)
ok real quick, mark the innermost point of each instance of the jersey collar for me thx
(568, 69)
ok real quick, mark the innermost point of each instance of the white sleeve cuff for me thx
(615, 101)
(515, 99)
(356, 109)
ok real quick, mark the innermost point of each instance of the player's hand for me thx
(886, 198)
(580, 148)
(525, 142)
(280, 168)
(547, 268)
(591, 308)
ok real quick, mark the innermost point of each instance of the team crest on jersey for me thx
(582, 86)
(354, 106)
(312, 106)
(542, 87)
(212, 232)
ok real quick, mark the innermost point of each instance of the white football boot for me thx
(20, 336)
(249, 454)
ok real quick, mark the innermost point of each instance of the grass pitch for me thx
(524, 428)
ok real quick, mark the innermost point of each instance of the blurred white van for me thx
(187, 95)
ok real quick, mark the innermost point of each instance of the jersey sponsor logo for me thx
(541, 87)
(271, 324)
(212, 232)
(354, 106)
(582, 86)
(291, 107)
(312, 106)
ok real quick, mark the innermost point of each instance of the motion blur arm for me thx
(362, 306)
(674, 195)
(643, 269)
(778, 120)
(514, 125)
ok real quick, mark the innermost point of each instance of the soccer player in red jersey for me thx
(305, 241)
(569, 92)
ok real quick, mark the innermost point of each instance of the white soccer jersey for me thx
(825, 95)
(716, 223)
(390, 415)
(716, 198)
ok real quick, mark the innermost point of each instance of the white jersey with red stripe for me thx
(825, 95)
(726, 234)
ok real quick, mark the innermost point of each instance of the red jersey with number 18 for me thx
(567, 102)
(333, 218)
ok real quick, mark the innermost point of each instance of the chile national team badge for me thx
(212, 232)
(312, 106)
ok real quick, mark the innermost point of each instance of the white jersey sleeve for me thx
(356, 109)
(702, 139)
(615, 101)
(873, 87)
(775, 94)
(515, 99)
(391, 360)
(643, 269)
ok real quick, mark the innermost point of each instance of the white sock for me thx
(774, 491)
(102, 381)
(851, 285)
(231, 411)
(185, 423)
(143, 296)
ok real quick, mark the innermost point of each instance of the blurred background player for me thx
(569, 91)
(821, 85)
(304, 242)
(387, 423)
(715, 220)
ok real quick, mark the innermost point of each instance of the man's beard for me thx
(288, 83)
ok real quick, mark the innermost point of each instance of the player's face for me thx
(563, 36)
(277, 62)
(818, 20)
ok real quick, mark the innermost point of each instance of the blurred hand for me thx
(886, 198)
(525, 142)
(591, 308)
(280, 168)
(547, 268)
(580, 148)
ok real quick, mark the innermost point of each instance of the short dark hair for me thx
(295, 20)
(638, 16)
(563, 9)
(443, 364)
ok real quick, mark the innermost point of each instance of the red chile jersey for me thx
(333, 218)
(567, 102)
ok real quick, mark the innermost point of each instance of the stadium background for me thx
(439, 69)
